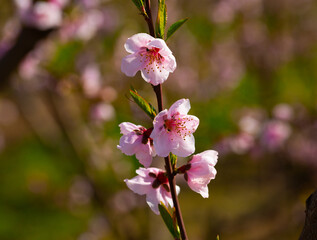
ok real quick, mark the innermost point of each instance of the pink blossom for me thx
(149, 55)
(173, 130)
(91, 80)
(43, 15)
(153, 183)
(200, 171)
(136, 140)
(283, 111)
(102, 112)
(275, 134)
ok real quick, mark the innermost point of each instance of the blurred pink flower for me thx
(283, 111)
(42, 15)
(200, 170)
(102, 112)
(153, 183)
(173, 130)
(149, 55)
(136, 140)
(241, 143)
(88, 26)
(29, 67)
(275, 133)
(91, 80)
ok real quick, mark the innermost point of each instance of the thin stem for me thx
(172, 182)
(148, 19)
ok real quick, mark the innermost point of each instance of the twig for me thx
(25, 43)
(310, 228)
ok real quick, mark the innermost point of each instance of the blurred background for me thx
(249, 70)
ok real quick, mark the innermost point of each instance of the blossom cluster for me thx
(41, 14)
(172, 130)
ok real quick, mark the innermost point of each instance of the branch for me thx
(310, 228)
(25, 43)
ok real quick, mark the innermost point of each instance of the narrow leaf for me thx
(140, 5)
(172, 29)
(161, 19)
(173, 159)
(143, 104)
(168, 220)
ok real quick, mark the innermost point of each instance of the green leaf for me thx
(143, 104)
(173, 159)
(161, 19)
(140, 5)
(168, 220)
(172, 29)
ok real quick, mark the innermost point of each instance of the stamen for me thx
(179, 125)
(152, 59)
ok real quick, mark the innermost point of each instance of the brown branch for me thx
(310, 228)
(148, 19)
(25, 43)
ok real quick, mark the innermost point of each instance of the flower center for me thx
(160, 179)
(179, 125)
(151, 59)
(145, 134)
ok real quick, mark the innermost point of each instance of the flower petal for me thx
(158, 123)
(127, 127)
(144, 155)
(153, 199)
(209, 156)
(163, 144)
(161, 44)
(134, 43)
(185, 147)
(138, 185)
(131, 64)
(129, 144)
(169, 63)
(154, 75)
(181, 106)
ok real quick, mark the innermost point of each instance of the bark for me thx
(310, 228)
(25, 42)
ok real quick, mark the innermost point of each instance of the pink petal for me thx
(163, 144)
(161, 44)
(153, 199)
(130, 143)
(185, 147)
(181, 106)
(127, 127)
(144, 172)
(158, 123)
(144, 155)
(199, 169)
(169, 63)
(134, 43)
(198, 184)
(154, 76)
(210, 156)
(166, 197)
(131, 64)
(192, 123)
(138, 185)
